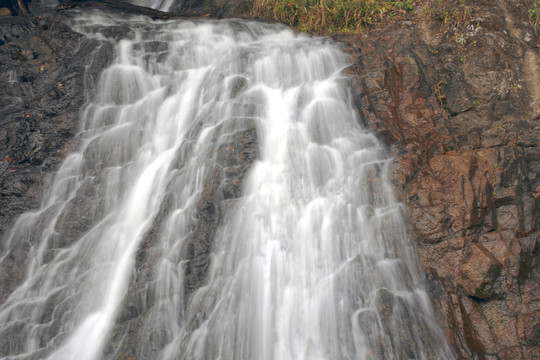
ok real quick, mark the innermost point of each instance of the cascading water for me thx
(163, 5)
(311, 261)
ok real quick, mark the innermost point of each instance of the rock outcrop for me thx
(44, 66)
(463, 121)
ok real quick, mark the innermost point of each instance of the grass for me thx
(534, 13)
(355, 16)
(332, 16)
(450, 11)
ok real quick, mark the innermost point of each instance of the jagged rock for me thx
(480, 273)
(234, 157)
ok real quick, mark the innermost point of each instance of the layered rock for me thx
(44, 66)
(463, 123)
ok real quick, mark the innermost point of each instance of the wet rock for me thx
(368, 321)
(40, 100)
(128, 313)
(216, 9)
(385, 306)
(434, 286)
(235, 154)
(404, 336)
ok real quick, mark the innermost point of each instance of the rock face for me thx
(460, 109)
(43, 68)
(463, 121)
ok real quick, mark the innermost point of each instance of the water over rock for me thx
(464, 136)
(220, 203)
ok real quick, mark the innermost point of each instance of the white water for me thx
(162, 5)
(312, 262)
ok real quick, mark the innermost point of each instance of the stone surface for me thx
(480, 272)
(463, 123)
(43, 69)
(234, 157)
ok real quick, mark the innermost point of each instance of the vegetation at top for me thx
(354, 16)
(333, 16)
(534, 13)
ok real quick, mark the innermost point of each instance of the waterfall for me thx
(225, 203)
(162, 5)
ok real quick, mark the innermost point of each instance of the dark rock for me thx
(234, 156)
(41, 97)
(434, 286)
(15, 7)
(529, 260)
(188, 8)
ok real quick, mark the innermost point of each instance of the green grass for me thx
(450, 11)
(332, 16)
(355, 16)
(534, 13)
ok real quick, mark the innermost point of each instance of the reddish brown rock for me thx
(480, 272)
(463, 122)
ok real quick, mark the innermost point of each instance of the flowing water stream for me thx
(310, 260)
(162, 5)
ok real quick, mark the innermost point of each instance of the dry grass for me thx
(332, 16)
